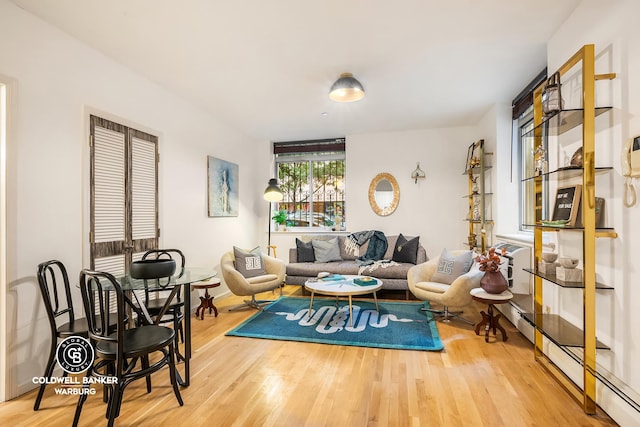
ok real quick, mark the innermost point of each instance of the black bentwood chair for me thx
(56, 294)
(174, 312)
(117, 352)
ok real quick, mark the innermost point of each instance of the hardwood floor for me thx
(254, 382)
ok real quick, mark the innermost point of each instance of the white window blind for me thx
(109, 185)
(143, 185)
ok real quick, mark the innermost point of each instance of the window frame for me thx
(311, 152)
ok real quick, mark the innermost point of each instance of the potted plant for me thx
(280, 218)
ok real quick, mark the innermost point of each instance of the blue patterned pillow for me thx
(450, 266)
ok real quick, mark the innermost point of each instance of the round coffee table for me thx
(490, 321)
(344, 287)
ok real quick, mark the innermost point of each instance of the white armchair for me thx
(457, 294)
(241, 286)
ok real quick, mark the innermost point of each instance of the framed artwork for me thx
(222, 187)
(567, 205)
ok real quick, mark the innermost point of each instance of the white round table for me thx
(343, 287)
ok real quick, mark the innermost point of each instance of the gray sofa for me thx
(393, 276)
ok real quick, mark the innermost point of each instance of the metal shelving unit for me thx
(553, 326)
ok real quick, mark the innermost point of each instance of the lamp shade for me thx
(272, 193)
(346, 89)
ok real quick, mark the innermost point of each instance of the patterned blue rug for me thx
(399, 325)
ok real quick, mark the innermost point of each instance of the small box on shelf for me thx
(547, 267)
(569, 274)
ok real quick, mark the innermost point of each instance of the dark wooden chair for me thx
(174, 313)
(117, 353)
(56, 294)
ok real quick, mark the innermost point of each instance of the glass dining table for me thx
(182, 278)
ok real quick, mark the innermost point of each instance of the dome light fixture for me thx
(346, 89)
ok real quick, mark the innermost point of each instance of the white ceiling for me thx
(265, 66)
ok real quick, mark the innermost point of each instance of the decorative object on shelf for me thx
(418, 173)
(548, 263)
(567, 270)
(577, 158)
(223, 187)
(475, 216)
(346, 89)
(599, 211)
(474, 186)
(493, 281)
(568, 262)
(272, 194)
(551, 95)
(540, 156)
(567, 205)
(471, 241)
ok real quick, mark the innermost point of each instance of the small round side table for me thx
(207, 300)
(490, 321)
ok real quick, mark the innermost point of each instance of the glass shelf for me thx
(563, 121)
(600, 232)
(477, 221)
(558, 330)
(568, 172)
(552, 278)
(468, 196)
(475, 170)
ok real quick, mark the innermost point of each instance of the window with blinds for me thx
(311, 175)
(124, 195)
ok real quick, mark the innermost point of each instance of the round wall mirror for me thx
(384, 194)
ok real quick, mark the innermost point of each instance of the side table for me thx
(207, 300)
(490, 321)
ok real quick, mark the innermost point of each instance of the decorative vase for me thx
(493, 282)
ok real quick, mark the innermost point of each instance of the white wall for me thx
(55, 81)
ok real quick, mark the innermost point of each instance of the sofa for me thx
(393, 274)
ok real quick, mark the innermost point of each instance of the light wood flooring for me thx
(256, 382)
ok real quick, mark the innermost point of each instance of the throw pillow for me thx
(249, 263)
(406, 250)
(326, 250)
(304, 251)
(450, 266)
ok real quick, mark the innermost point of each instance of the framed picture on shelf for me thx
(567, 205)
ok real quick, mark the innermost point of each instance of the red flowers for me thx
(491, 260)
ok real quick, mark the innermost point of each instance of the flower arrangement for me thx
(490, 261)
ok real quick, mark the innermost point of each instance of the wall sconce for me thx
(417, 173)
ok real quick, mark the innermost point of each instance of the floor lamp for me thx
(272, 194)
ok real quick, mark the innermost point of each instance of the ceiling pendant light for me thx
(346, 89)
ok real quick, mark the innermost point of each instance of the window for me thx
(311, 175)
(124, 195)
(523, 143)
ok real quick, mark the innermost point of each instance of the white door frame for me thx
(3, 240)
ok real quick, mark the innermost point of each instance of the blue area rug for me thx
(399, 325)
